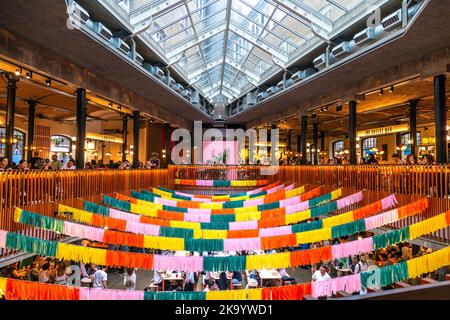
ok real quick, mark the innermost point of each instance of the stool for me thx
(237, 286)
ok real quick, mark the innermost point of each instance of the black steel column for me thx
(304, 136)
(413, 125)
(299, 146)
(322, 141)
(398, 141)
(168, 138)
(441, 119)
(10, 113)
(272, 145)
(136, 122)
(316, 143)
(124, 137)
(31, 118)
(352, 131)
(81, 127)
(289, 140)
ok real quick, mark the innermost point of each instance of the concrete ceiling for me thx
(43, 23)
(428, 34)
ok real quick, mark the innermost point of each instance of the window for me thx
(338, 146)
(61, 145)
(18, 146)
(368, 144)
(406, 141)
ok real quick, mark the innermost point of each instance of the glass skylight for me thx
(228, 47)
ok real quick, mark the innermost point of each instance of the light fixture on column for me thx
(108, 154)
(18, 72)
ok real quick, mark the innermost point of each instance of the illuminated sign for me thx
(429, 141)
(103, 137)
(383, 130)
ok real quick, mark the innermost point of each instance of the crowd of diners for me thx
(54, 164)
(52, 270)
(372, 159)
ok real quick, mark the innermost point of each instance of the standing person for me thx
(4, 164)
(70, 165)
(45, 274)
(129, 279)
(321, 274)
(362, 266)
(189, 282)
(396, 159)
(411, 160)
(60, 275)
(372, 159)
(23, 166)
(55, 164)
(100, 278)
(34, 160)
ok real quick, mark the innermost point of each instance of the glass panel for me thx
(275, 28)
(18, 146)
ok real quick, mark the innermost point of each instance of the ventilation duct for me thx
(121, 45)
(102, 31)
(300, 75)
(170, 82)
(154, 70)
(186, 93)
(391, 21)
(79, 13)
(272, 90)
(321, 61)
(178, 87)
(261, 96)
(195, 97)
(413, 10)
(251, 98)
(364, 36)
(139, 59)
(343, 49)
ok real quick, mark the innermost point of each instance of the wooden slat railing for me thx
(39, 189)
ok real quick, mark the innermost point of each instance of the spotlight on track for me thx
(339, 107)
(391, 89)
(381, 92)
(48, 82)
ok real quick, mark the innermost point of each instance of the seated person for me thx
(285, 277)
(33, 273)
(254, 280)
(223, 281)
(211, 286)
(157, 278)
(237, 278)
(14, 272)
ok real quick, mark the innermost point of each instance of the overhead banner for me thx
(383, 131)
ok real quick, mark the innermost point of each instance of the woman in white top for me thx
(129, 279)
(61, 276)
(44, 275)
